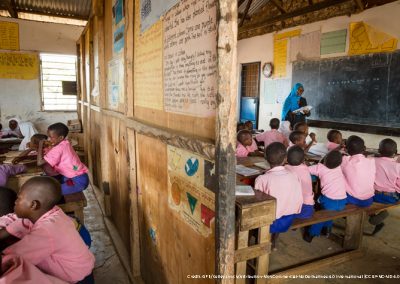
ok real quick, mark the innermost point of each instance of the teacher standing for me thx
(293, 102)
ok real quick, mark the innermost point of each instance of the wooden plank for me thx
(241, 255)
(262, 262)
(225, 138)
(354, 231)
(246, 10)
(242, 243)
(129, 55)
(377, 207)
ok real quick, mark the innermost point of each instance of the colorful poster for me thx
(187, 193)
(366, 39)
(280, 58)
(288, 34)
(152, 10)
(333, 42)
(115, 83)
(190, 58)
(9, 36)
(119, 39)
(22, 66)
(118, 26)
(148, 68)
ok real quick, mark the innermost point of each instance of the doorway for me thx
(250, 92)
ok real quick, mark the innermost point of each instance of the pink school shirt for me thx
(271, 136)
(333, 182)
(301, 171)
(331, 146)
(359, 172)
(285, 186)
(387, 178)
(242, 151)
(53, 245)
(65, 161)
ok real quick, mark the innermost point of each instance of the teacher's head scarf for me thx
(292, 101)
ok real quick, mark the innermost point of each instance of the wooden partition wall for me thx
(158, 106)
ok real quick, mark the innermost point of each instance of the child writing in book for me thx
(282, 184)
(48, 238)
(273, 135)
(333, 193)
(359, 172)
(63, 158)
(296, 165)
(246, 146)
(335, 140)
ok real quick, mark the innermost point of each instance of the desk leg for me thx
(243, 241)
(354, 231)
(262, 262)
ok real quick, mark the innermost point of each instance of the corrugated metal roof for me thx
(78, 9)
(254, 7)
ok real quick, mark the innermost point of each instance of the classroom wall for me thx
(260, 49)
(22, 98)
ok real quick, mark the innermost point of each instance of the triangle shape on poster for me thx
(192, 201)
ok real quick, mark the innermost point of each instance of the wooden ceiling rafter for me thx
(12, 10)
(278, 4)
(360, 4)
(245, 13)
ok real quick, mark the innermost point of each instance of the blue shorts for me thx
(359, 202)
(73, 185)
(282, 224)
(307, 211)
(387, 198)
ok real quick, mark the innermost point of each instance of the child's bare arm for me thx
(40, 160)
(22, 156)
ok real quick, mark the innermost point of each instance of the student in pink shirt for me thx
(246, 146)
(296, 165)
(333, 193)
(303, 127)
(64, 160)
(284, 186)
(273, 135)
(335, 140)
(49, 238)
(299, 138)
(359, 172)
(387, 178)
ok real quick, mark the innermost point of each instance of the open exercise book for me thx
(244, 190)
(302, 109)
(245, 171)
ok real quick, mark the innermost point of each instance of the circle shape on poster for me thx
(176, 193)
(191, 166)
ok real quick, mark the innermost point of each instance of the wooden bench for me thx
(74, 203)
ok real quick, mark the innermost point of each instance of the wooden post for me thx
(226, 138)
(354, 231)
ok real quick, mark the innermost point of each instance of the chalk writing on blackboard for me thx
(190, 68)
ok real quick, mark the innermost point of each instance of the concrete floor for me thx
(108, 268)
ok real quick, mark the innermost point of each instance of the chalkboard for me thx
(359, 90)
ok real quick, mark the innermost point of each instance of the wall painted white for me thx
(260, 49)
(22, 98)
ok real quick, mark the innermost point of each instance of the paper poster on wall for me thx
(152, 10)
(21, 66)
(118, 26)
(288, 34)
(333, 42)
(366, 39)
(9, 35)
(190, 53)
(276, 91)
(280, 57)
(148, 72)
(187, 193)
(306, 46)
(115, 82)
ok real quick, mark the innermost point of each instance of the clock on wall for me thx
(267, 69)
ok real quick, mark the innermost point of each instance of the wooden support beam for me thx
(278, 4)
(240, 2)
(245, 13)
(310, 2)
(12, 10)
(360, 4)
(299, 12)
(225, 159)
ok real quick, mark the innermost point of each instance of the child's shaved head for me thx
(46, 190)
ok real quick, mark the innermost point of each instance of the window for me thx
(58, 74)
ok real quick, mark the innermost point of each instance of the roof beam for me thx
(299, 12)
(12, 9)
(310, 2)
(245, 12)
(240, 3)
(360, 4)
(278, 4)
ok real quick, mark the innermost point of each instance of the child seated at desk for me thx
(63, 158)
(296, 165)
(299, 138)
(335, 140)
(282, 184)
(240, 126)
(387, 178)
(359, 172)
(273, 135)
(48, 238)
(303, 127)
(7, 170)
(246, 146)
(333, 193)
(249, 126)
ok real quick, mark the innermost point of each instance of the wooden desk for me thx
(249, 161)
(7, 143)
